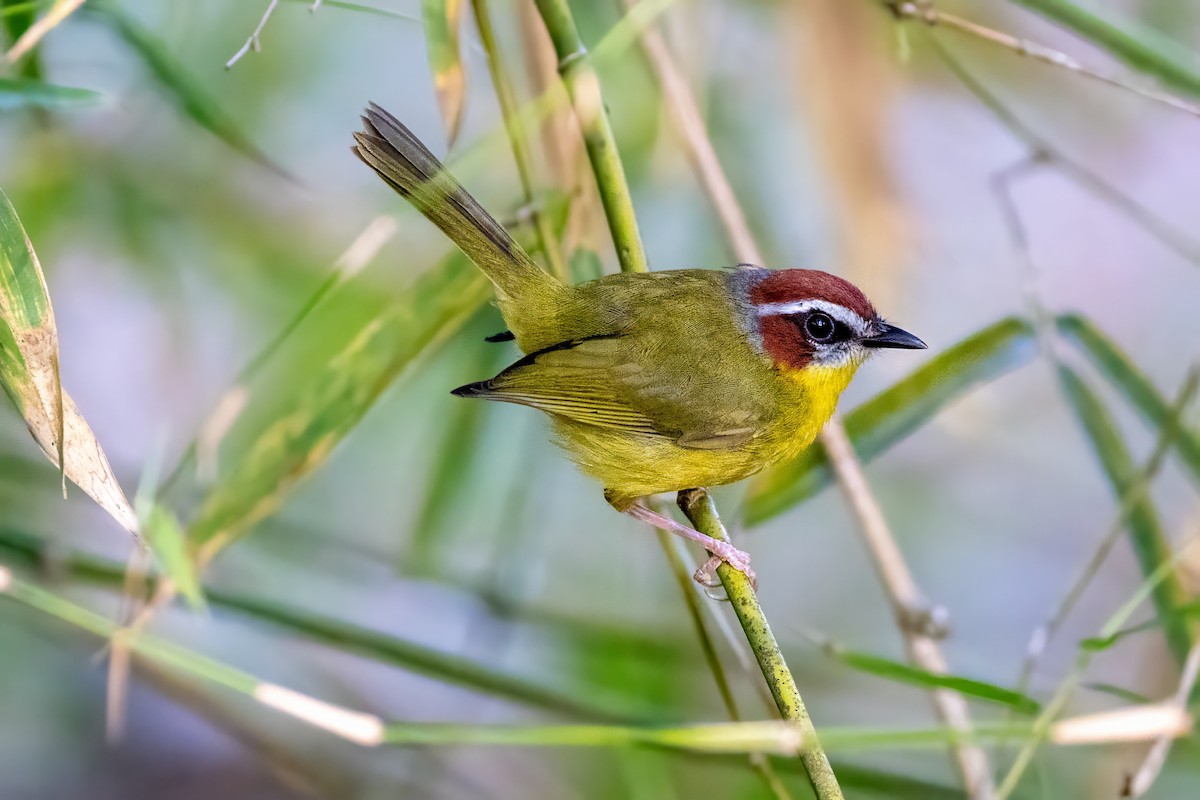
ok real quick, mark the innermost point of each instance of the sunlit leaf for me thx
(903, 673)
(1124, 375)
(339, 395)
(169, 545)
(443, 24)
(1137, 45)
(898, 411)
(179, 84)
(26, 93)
(1150, 543)
(29, 372)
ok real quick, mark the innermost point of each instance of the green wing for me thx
(617, 382)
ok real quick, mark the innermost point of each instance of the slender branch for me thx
(699, 508)
(547, 241)
(926, 12)
(1052, 156)
(253, 41)
(691, 126)
(902, 590)
(1144, 778)
(29, 40)
(584, 88)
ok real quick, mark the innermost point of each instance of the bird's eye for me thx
(819, 327)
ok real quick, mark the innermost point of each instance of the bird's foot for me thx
(720, 549)
(706, 575)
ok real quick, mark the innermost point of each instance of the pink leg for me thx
(721, 551)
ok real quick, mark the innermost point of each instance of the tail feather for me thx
(405, 164)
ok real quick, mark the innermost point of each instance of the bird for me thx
(660, 381)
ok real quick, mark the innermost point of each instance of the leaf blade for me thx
(30, 376)
(17, 93)
(438, 304)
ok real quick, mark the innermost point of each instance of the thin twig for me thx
(926, 12)
(1146, 774)
(700, 510)
(691, 126)
(1043, 726)
(903, 593)
(253, 41)
(1052, 156)
(29, 40)
(1138, 489)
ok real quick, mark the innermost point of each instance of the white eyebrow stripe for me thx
(840, 313)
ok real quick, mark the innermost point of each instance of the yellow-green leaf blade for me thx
(1125, 376)
(17, 93)
(337, 398)
(29, 373)
(887, 418)
(165, 536)
(1150, 543)
(443, 22)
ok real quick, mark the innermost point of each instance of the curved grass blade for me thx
(1150, 544)
(29, 373)
(16, 93)
(443, 25)
(437, 305)
(903, 673)
(898, 411)
(179, 85)
(1124, 376)
(1138, 46)
(165, 536)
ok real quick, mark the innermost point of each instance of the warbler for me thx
(660, 381)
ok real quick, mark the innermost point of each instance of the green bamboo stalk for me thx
(700, 509)
(547, 241)
(583, 86)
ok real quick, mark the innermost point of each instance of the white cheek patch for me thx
(842, 314)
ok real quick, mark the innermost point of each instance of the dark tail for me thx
(392, 150)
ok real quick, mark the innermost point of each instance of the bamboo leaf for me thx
(1138, 46)
(1150, 544)
(29, 373)
(443, 24)
(895, 413)
(340, 394)
(1131, 382)
(169, 545)
(27, 93)
(903, 673)
(189, 95)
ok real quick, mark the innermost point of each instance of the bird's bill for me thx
(885, 335)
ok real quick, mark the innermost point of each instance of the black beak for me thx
(886, 335)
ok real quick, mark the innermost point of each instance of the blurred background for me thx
(427, 559)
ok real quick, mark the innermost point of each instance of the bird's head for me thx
(806, 318)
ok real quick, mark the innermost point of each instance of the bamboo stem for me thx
(698, 506)
(902, 591)
(516, 138)
(583, 86)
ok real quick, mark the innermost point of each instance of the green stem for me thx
(583, 86)
(699, 508)
(516, 138)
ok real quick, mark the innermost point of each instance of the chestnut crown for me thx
(808, 317)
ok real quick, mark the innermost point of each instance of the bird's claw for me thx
(706, 575)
